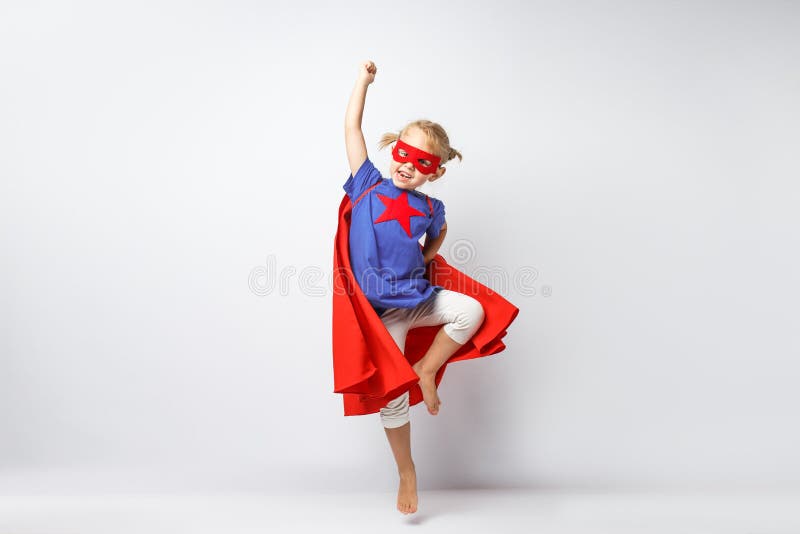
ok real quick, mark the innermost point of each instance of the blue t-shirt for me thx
(385, 228)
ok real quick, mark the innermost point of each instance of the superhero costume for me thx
(369, 368)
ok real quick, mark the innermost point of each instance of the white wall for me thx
(640, 156)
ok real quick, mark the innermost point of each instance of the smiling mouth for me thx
(403, 176)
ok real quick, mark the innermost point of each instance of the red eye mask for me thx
(414, 155)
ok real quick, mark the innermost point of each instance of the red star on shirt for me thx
(398, 209)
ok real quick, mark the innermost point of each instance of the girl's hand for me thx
(366, 72)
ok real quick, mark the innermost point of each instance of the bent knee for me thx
(471, 314)
(467, 320)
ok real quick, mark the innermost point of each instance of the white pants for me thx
(461, 315)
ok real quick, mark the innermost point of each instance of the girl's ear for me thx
(439, 172)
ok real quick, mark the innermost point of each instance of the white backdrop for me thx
(639, 157)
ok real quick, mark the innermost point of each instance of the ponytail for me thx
(387, 139)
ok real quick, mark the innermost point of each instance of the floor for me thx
(484, 511)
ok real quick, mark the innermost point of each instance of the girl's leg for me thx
(400, 442)
(396, 422)
(441, 349)
(462, 316)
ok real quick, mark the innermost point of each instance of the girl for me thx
(389, 217)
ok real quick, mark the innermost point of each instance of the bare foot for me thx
(427, 383)
(407, 494)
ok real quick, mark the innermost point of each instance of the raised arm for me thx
(353, 137)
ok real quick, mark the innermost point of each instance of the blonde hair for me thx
(435, 134)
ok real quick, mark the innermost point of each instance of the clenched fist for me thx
(366, 72)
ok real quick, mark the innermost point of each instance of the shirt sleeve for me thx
(365, 176)
(437, 220)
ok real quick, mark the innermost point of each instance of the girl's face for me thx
(405, 175)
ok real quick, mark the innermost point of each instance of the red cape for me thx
(368, 367)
